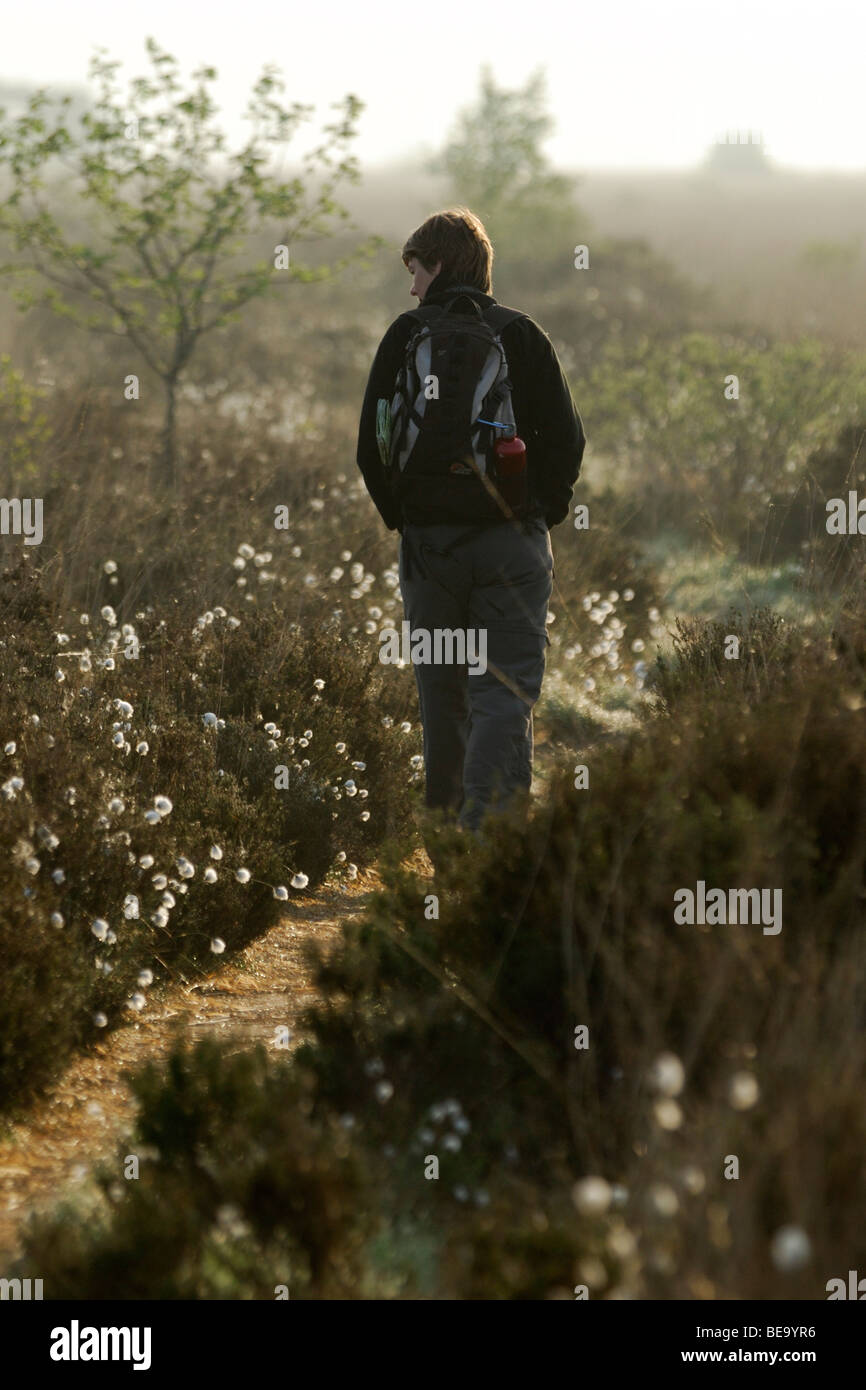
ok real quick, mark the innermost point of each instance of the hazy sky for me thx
(631, 83)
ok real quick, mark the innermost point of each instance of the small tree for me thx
(495, 162)
(170, 209)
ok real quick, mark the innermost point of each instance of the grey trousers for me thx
(478, 741)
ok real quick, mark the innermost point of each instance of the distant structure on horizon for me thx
(738, 152)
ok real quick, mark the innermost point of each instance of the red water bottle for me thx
(510, 453)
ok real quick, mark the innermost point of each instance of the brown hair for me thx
(457, 238)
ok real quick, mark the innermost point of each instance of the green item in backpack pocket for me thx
(383, 430)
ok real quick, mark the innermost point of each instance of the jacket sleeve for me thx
(558, 437)
(380, 383)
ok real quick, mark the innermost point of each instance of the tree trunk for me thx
(168, 457)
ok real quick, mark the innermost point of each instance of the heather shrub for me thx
(746, 657)
(741, 656)
(258, 1193)
(835, 561)
(144, 768)
(733, 467)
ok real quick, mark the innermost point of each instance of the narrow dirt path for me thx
(44, 1157)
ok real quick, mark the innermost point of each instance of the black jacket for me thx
(545, 413)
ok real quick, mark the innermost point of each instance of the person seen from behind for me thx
(470, 445)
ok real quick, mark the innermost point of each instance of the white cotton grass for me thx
(591, 1196)
(743, 1091)
(790, 1249)
(242, 875)
(281, 893)
(217, 945)
(667, 1113)
(300, 880)
(664, 1200)
(693, 1179)
(621, 1243)
(667, 1074)
(100, 928)
(591, 1271)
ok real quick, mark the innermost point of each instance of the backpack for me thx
(452, 400)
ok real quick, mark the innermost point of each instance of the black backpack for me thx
(452, 400)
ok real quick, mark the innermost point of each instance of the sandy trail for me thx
(80, 1121)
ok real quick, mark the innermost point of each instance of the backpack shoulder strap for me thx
(497, 315)
(417, 318)
(411, 315)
